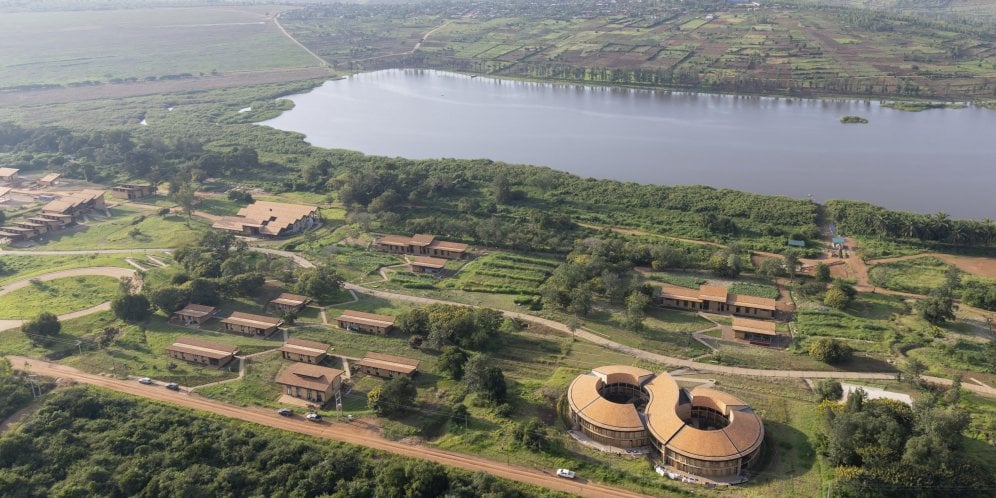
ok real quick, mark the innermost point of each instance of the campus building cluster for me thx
(699, 431)
(714, 299)
(270, 219)
(56, 215)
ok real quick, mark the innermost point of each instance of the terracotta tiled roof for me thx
(676, 292)
(196, 310)
(366, 318)
(428, 262)
(589, 404)
(290, 299)
(763, 303)
(250, 320)
(303, 347)
(712, 293)
(208, 349)
(51, 177)
(390, 363)
(308, 376)
(270, 217)
(421, 239)
(754, 326)
(614, 374)
(448, 246)
(394, 240)
(8, 171)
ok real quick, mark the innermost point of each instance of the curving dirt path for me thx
(345, 432)
(103, 271)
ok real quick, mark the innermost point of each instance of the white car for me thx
(145, 380)
(314, 417)
(568, 474)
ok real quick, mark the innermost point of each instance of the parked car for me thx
(173, 386)
(145, 380)
(568, 474)
(286, 412)
(314, 417)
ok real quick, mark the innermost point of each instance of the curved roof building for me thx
(699, 431)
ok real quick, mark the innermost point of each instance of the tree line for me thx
(85, 442)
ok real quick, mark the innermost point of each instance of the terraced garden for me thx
(504, 273)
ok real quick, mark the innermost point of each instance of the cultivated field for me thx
(163, 49)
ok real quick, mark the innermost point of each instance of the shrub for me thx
(828, 390)
(830, 351)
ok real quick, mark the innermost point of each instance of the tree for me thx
(791, 261)
(613, 286)
(830, 351)
(203, 291)
(938, 307)
(413, 322)
(451, 362)
(580, 300)
(394, 397)
(474, 370)
(169, 299)
(42, 327)
(822, 273)
(244, 285)
(186, 197)
(131, 308)
(836, 298)
(829, 390)
(636, 310)
(321, 284)
(912, 368)
(502, 189)
(532, 434)
(493, 388)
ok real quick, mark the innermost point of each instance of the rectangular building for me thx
(304, 351)
(270, 219)
(132, 190)
(716, 300)
(8, 175)
(289, 302)
(197, 350)
(249, 324)
(359, 321)
(49, 179)
(310, 382)
(754, 331)
(427, 265)
(388, 366)
(421, 245)
(76, 204)
(194, 314)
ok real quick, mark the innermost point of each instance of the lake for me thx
(930, 161)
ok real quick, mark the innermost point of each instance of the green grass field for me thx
(503, 273)
(918, 275)
(21, 267)
(119, 232)
(58, 296)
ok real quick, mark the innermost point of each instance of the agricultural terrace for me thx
(797, 50)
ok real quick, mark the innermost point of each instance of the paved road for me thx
(82, 253)
(345, 432)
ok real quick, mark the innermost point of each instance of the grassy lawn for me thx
(59, 296)
(918, 275)
(503, 273)
(667, 332)
(21, 267)
(119, 232)
(140, 350)
(864, 323)
(257, 387)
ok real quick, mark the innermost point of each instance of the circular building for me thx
(700, 431)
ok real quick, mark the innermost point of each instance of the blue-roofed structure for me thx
(797, 243)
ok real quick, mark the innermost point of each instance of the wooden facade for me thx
(421, 245)
(132, 191)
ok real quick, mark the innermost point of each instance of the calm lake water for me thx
(936, 160)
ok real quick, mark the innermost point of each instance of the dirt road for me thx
(983, 267)
(344, 432)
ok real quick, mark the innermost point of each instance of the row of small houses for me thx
(304, 379)
(751, 314)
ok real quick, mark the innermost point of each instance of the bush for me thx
(830, 351)
(44, 326)
(131, 308)
(829, 390)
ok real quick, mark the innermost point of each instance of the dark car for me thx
(173, 386)
(286, 412)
